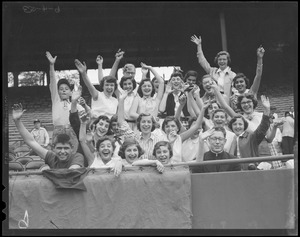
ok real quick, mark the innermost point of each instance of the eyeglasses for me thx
(246, 102)
(214, 139)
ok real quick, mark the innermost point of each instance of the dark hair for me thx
(63, 81)
(248, 96)
(235, 118)
(104, 138)
(222, 53)
(240, 75)
(206, 115)
(62, 138)
(104, 118)
(139, 91)
(113, 119)
(287, 113)
(191, 73)
(176, 74)
(191, 120)
(131, 78)
(220, 129)
(219, 110)
(108, 79)
(128, 142)
(138, 121)
(169, 119)
(162, 143)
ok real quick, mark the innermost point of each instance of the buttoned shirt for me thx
(41, 136)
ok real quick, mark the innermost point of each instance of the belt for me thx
(62, 126)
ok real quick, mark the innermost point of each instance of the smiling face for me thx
(219, 119)
(63, 151)
(238, 127)
(131, 153)
(240, 85)
(146, 124)
(247, 105)
(206, 82)
(170, 126)
(105, 151)
(102, 127)
(108, 88)
(163, 154)
(147, 88)
(128, 85)
(212, 108)
(217, 141)
(176, 82)
(64, 92)
(191, 80)
(222, 61)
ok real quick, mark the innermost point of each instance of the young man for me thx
(216, 138)
(61, 156)
(39, 134)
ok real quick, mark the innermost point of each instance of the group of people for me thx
(158, 122)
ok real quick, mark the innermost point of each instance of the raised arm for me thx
(259, 68)
(271, 133)
(114, 69)
(163, 102)
(185, 135)
(82, 69)
(26, 135)
(121, 117)
(53, 84)
(222, 101)
(82, 138)
(201, 59)
(134, 107)
(99, 61)
(74, 99)
(192, 104)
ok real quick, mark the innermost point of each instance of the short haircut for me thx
(176, 74)
(128, 142)
(191, 73)
(113, 119)
(138, 121)
(240, 75)
(65, 82)
(108, 79)
(140, 92)
(248, 96)
(219, 110)
(104, 118)
(287, 113)
(222, 53)
(234, 120)
(125, 78)
(220, 129)
(62, 138)
(169, 119)
(105, 138)
(162, 143)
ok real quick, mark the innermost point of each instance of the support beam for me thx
(223, 31)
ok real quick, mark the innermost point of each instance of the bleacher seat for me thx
(21, 151)
(11, 156)
(34, 165)
(24, 160)
(15, 166)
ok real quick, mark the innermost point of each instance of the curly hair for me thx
(169, 119)
(127, 143)
(104, 118)
(108, 79)
(105, 138)
(240, 75)
(162, 143)
(234, 120)
(140, 92)
(138, 121)
(249, 96)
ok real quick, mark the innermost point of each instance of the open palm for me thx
(17, 111)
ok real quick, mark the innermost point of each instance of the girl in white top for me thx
(131, 151)
(145, 102)
(105, 147)
(103, 103)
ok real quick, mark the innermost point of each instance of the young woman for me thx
(131, 151)
(163, 152)
(105, 146)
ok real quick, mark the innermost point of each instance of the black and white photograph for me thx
(150, 118)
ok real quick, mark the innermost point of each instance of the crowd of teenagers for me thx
(158, 122)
